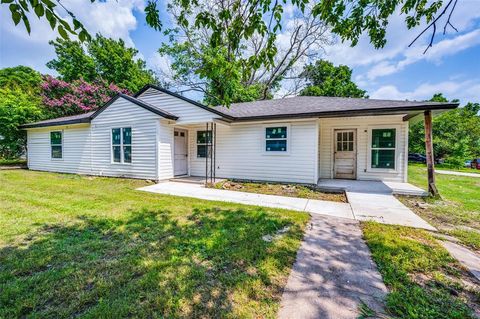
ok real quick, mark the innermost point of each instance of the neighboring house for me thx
(158, 134)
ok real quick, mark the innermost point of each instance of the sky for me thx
(451, 66)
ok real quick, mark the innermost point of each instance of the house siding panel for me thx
(363, 125)
(240, 153)
(76, 150)
(187, 113)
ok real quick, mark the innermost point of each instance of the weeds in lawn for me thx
(165, 258)
(424, 280)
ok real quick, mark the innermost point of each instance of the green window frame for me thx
(122, 145)
(56, 144)
(276, 139)
(204, 143)
(383, 148)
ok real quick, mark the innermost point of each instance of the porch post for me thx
(432, 188)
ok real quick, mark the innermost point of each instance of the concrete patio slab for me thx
(333, 273)
(440, 171)
(384, 208)
(373, 187)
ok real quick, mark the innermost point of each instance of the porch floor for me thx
(193, 179)
(371, 187)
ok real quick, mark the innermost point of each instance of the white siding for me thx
(187, 113)
(240, 153)
(76, 149)
(144, 124)
(363, 125)
(165, 151)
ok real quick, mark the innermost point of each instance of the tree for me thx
(227, 57)
(348, 18)
(19, 103)
(456, 133)
(325, 79)
(62, 98)
(102, 59)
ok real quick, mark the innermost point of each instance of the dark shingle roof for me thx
(74, 119)
(304, 106)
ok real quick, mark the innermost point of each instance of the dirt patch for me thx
(290, 190)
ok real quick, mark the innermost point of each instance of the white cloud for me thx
(465, 91)
(112, 18)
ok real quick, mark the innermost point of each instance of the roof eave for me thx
(59, 123)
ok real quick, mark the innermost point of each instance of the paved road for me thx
(441, 171)
(333, 273)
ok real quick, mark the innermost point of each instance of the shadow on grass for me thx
(213, 263)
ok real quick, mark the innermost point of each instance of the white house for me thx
(158, 135)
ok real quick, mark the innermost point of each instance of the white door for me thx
(345, 154)
(180, 152)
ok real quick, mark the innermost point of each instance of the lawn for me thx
(88, 247)
(457, 213)
(423, 279)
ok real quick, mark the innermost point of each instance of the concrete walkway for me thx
(300, 204)
(379, 206)
(441, 171)
(333, 273)
(466, 257)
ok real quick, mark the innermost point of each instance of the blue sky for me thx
(452, 66)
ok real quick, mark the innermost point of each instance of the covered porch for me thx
(370, 187)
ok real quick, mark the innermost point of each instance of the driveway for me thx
(440, 171)
(333, 274)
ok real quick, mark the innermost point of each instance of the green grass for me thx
(457, 213)
(74, 246)
(423, 279)
(456, 169)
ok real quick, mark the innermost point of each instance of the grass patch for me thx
(290, 190)
(424, 280)
(457, 213)
(448, 167)
(73, 246)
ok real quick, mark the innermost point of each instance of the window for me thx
(204, 143)
(276, 139)
(122, 145)
(345, 141)
(56, 144)
(383, 148)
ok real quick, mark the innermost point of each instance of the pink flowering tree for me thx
(63, 98)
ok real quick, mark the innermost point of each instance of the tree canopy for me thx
(325, 79)
(101, 59)
(19, 103)
(232, 52)
(456, 133)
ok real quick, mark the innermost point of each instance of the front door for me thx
(180, 152)
(345, 154)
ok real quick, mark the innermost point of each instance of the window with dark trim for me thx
(122, 145)
(204, 143)
(383, 148)
(56, 144)
(276, 139)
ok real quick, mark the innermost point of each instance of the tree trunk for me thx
(432, 188)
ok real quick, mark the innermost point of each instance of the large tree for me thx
(228, 58)
(325, 79)
(101, 59)
(349, 18)
(19, 103)
(456, 133)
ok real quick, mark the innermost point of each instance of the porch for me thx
(370, 187)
